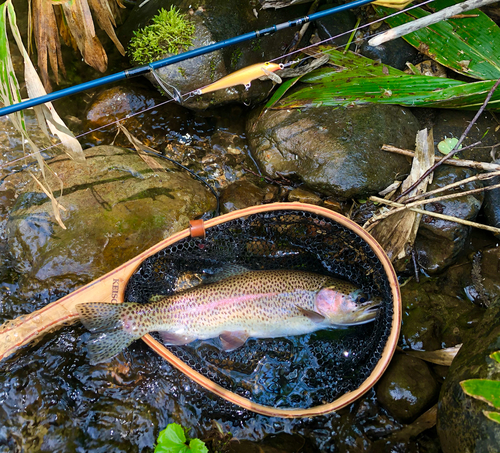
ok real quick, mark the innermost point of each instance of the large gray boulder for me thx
(116, 207)
(334, 151)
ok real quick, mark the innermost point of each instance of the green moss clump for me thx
(170, 32)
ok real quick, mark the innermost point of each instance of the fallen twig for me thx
(486, 166)
(435, 214)
(456, 149)
(430, 200)
(480, 177)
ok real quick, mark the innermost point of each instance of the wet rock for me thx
(394, 53)
(452, 123)
(129, 101)
(116, 207)
(241, 194)
(277, 443)
(333, 151)
(219, 20)
(304, 196)
(407, 388)
(439, 242)
(332, 26)
(462, 426)
(490, 270)
(491, 206)
(434, 318)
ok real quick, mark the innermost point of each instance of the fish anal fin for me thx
(233, 340)
(314, 316)
(176, 339)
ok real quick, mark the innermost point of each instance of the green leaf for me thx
(197, 446)
(447, 145)
(485, 390)
(173, 440)
(280, 92)
(173, 433)
(9, 86)
(468, 46)
(363, 81)
(495, 416)
(496, 356)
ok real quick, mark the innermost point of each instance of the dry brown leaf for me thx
(79, 20)
(439, 357)
(397, 233)
(46, 113)
(47, 40)
(140, 147)
(105, 19)
(64, 31)
(56, 206)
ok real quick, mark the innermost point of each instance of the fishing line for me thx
(193, 93)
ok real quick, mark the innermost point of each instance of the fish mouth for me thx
(367, 312)
(363, 314)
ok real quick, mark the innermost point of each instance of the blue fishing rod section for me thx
(143, 70)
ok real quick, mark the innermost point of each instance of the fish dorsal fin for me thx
(233, 340)
(176, 339)
(228, 270)
(314, 316)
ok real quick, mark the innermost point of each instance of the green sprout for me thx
(169, 33)
(173, 440)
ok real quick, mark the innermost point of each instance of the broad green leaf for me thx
(173, 440)
(495, 416)
(496, 356)
(197, 446)
(486, 390)
(362, 81)
(468, 46)
(280, 92)
(173, 433)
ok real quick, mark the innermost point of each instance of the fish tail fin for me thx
(108, 336)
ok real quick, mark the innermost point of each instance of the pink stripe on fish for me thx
(233, 301)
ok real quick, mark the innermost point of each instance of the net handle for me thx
(345, 399)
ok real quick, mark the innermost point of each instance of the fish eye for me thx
(361, 298)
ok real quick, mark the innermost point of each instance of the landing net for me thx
(291, 372)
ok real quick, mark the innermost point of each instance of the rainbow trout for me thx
(260, 304)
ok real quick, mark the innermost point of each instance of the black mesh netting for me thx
(300, 371)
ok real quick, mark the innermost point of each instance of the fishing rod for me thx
(151, 67)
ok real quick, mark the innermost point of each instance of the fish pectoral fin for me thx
(176, 339)
(233, 340)
(314, 316)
